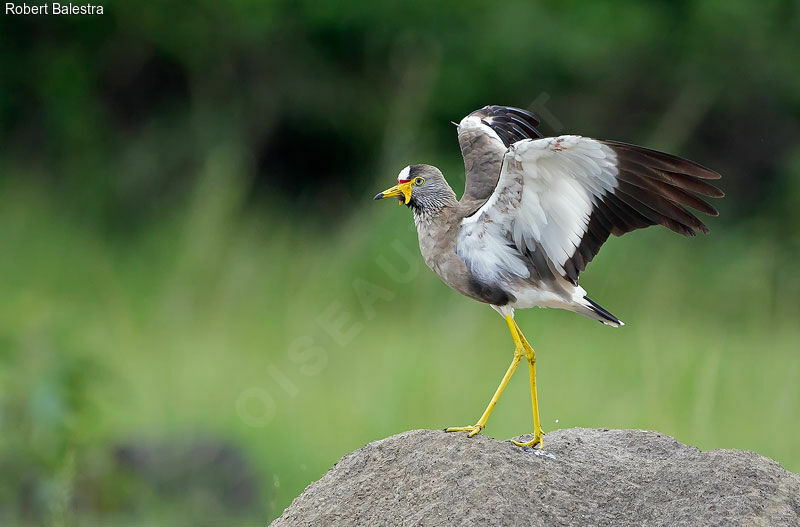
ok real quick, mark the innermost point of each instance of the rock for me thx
(590, 477)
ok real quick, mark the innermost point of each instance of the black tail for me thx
(603, 316)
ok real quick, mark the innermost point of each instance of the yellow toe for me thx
(537, 440)
(473, 430)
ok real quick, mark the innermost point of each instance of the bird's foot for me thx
(536, 441)
(473, 430)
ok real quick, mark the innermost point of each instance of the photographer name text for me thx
(53, 9)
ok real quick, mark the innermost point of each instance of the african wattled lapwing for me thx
(535, 211)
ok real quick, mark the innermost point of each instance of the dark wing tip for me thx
(670, 161)
(661, 186)
(509, 123)
(653, 188)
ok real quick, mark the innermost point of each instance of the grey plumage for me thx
(483, 156)
(535, 211)
(437, 216)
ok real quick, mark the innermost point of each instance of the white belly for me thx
(534, 296)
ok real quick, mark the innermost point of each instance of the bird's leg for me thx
(519, 350)
(531, 356)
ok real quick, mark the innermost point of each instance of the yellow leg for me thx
(537, 427)
(519, 348)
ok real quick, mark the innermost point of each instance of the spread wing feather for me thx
(564, 196)
(484, 136)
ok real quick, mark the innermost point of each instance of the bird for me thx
(534, 212)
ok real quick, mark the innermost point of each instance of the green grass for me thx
(210, 322)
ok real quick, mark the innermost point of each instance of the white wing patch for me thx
(473, 122)
(483, 244)
(545, 196)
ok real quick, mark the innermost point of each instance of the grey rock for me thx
(591, 477)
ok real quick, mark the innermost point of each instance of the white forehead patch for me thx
(404, 175)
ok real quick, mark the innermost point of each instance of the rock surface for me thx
(591, 477)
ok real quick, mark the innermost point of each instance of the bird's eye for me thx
(419, 181)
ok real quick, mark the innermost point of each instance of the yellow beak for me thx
(403, 189)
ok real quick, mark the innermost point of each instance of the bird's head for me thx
(420, 187)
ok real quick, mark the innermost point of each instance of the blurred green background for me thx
(202, 309)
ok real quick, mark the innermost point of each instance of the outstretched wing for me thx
(560, 197)
(484, 136)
